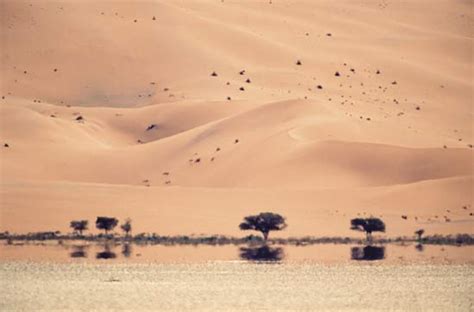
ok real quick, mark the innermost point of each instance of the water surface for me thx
(236, 278)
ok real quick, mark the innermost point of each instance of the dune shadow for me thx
(367, 253)
(262, 254)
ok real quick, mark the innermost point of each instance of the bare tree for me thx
(127, 227)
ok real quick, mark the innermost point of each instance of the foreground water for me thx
(230, 278)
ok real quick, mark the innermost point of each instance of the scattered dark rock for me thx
(25, 72)
(298, 62)
(218, 149)
(229, 98)
(242, 72)
(418, 108)
(242, 89)
(52, 116)
(197, 160)
(377, 72)
(337, 74)
(6, 145)
(404, 217)
(236, 141)
(79, 118)
(154, 18)
(248, 80)
(166, 173)
(212, 158)
(394, 82)
(329, 34)
(214, 74)
(319, 86)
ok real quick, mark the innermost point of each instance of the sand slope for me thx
(110, 109)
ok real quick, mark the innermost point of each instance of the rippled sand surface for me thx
(230, 280)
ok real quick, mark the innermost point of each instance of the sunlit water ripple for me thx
(235, 285)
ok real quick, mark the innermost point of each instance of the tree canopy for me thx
(106, 223)
(264, 223)
(127, 226)
(368, 225)
(79, 225)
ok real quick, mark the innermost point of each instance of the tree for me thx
(79, 226)
(106, 223)
(419, 233)
(264, 222)
(368, 226)
(127, 227)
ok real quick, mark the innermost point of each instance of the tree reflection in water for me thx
(106, 253)
(262, 254)
(368, 253)
(78, 252)
(126, 250)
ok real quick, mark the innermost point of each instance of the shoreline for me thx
(155, 239)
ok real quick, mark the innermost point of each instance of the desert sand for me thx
(188, 115)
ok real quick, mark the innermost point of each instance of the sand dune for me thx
(318, 110)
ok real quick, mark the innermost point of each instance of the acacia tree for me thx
(368, 226)
(264, 223)
(106, 223)
(127, 227)
(419, 233)
(79, 226)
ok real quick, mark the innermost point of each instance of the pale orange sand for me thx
(389, 136)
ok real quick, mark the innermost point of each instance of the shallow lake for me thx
(77, 276)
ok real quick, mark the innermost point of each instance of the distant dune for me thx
(188, 115)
